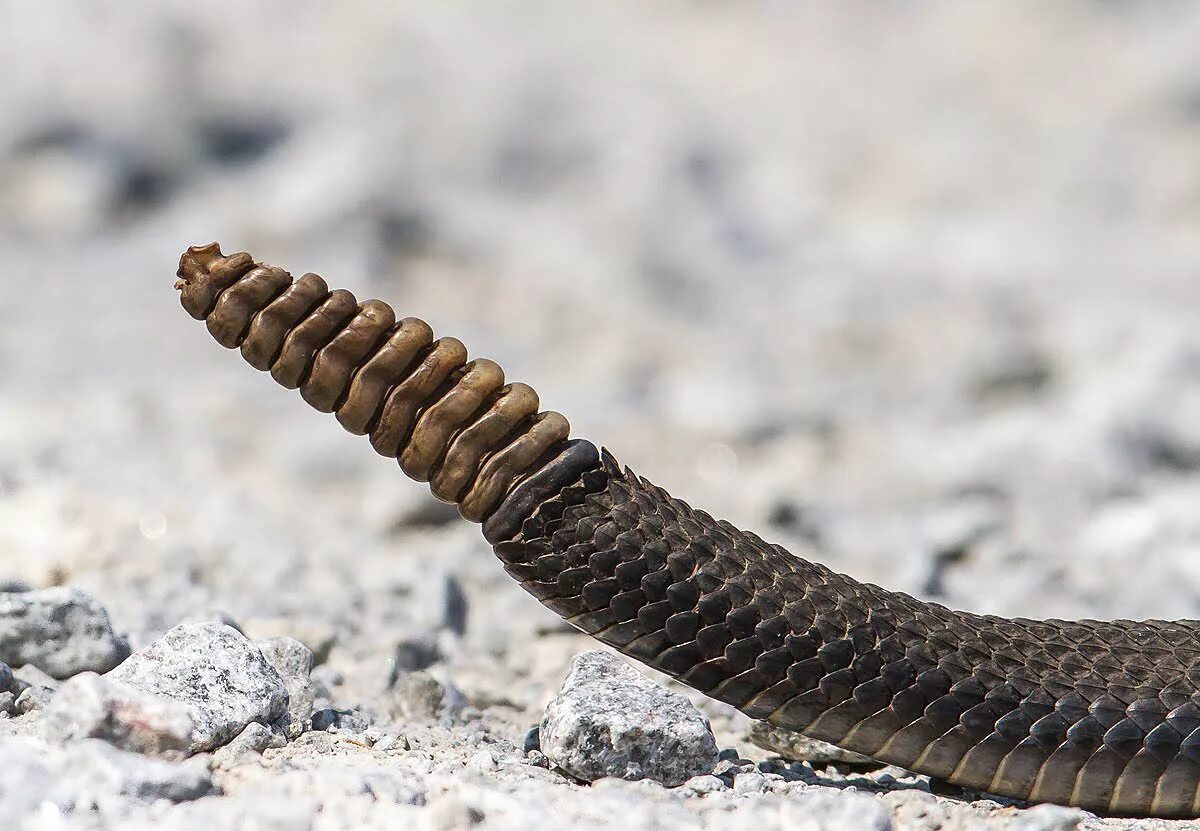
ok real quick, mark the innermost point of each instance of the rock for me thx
(92, 706)
(748, 783)
(294, 663)
(8, 703)
(797, 747)
(221, 677)
(706, 783)
(331, 720)
(108, 769)
(532, 740)
(249, 744)
(421, 696)
(454, 606)
(61, 631)
(609, 720)
(32, 699)
(6, 678)
(414, 654)
(1048, 818)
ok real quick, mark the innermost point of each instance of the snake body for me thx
(1100, 715)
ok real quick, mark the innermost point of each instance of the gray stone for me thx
(706, 783)
(8, 703)
(6, 678)
(221, 677)
(32, 699)
(750, 782)
(61, 631)
(294, 663)
(414, 653)
(609, 720)
(249, 744)
(421, 696)
(1047, 818)
(106, 769)
(332, 720)
(92, 706)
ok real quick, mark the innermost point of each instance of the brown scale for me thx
(450, 422)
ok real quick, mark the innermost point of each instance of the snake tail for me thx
(1095, 714)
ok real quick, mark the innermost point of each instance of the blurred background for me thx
(914, 291)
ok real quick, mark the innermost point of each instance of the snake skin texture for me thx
(1100, 715)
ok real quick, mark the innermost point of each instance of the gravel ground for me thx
(910, 290)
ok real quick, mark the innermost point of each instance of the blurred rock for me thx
(92, 706)
(706, 783)
(32, 699)
(249, 744)
(421, 697)
(221, 677)
(61, 631)
(418, 652)
(108, 769)
(331, 720)
(610, 720)
(294, 663)
(1048, 818)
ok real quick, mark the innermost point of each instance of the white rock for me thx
(609, 720)
(1048, 818)
(706, 783)
(62, 631)
(92, 706)
(748, 783)
(221, 677)
(32, 699)
(249, 744)
(294, 663)
(101, 768)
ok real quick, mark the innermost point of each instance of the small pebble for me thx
(32, 699)
(1048, 818)
(330, 720)
(706, 783)
(533, 739)
(746, 783)
(248, 745)
(422, 697)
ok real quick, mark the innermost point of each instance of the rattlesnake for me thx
(1101, 715)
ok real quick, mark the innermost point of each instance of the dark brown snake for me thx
(1101, 715)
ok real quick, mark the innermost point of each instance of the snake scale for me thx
(1100, 715)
